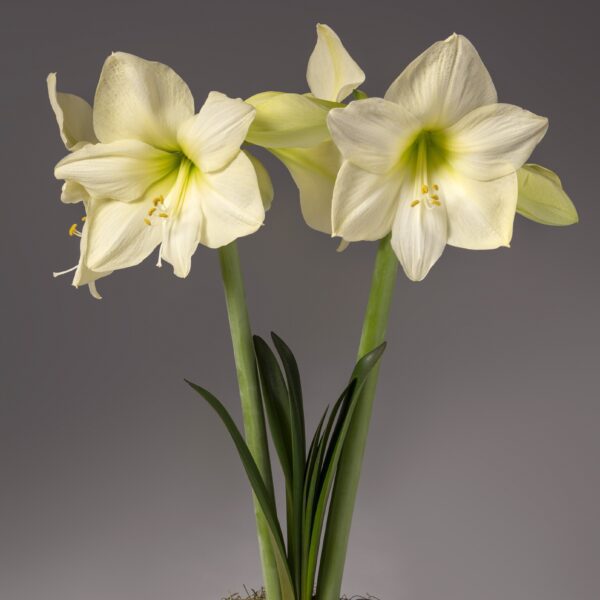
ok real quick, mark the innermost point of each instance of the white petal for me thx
(182, 230)
(212, 138)
(72, 193)
(494, 140)
(121, 170)
(480, 213)
(73, 115)
(419, 236)
(265, 185)
(364, 203)
(119, 236)
(444, 83)
(288, 120)
(142, 100)
(314, 171)
(373, 133)
(332, 74)
(231, 203)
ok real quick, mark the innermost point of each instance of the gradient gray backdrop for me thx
(481, 479)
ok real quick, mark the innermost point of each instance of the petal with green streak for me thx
(542, 198)
(288, 120)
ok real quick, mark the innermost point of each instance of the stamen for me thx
(147, 221)
(158, 200)
(73, 231)
(435, 197)
(83, 219)
(436, 187)
(415, 202)
(424, 188)
(163, 215)
(152, 211)
(436, 202)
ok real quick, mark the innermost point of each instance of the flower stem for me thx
(335, 543)
(254, 420)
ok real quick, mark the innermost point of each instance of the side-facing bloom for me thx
(435, 162)
(74, 117)
(160, 174)
(293, 127)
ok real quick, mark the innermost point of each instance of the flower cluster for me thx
(436, 161)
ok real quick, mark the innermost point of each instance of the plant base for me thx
(260, 595)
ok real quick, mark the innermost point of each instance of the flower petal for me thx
(332, 74)
(494, 140)
(122, 170)
(231, 203)
(480, 213)
(542, 198)
(364, 203)
(141, 100)
(444, 83)
(73, 115)
(314, 171)
(212, 138)
(265, 185)
(373, 133)
(72, 193)
(288, 120)
(118, 236)
(419, 236)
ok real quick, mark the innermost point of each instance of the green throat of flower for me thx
(423, 162)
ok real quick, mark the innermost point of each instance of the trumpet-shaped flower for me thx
(294, 126)
(160, 174)
(74, 117)
(434, 162)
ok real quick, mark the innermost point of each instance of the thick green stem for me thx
(335, 543)
(254, 420)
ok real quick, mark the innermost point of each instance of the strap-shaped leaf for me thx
(277, 404)
(265, 500)
(347, 404)
(298, 438)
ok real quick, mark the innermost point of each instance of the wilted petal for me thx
(480, 213)
(493, 141)
(542, 198)
(122, 170)
(212, 138)
(364, 203)
(373, 133)
(73, 115)
(419, 236)
(141, 100)
(314, 171)
(444, 83)
(332, 74)
(288, 120)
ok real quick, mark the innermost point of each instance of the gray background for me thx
(481, 479)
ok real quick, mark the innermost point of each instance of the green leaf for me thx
(266, 500)
(542, 198)
(298, 439)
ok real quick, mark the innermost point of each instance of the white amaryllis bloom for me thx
(160, 174)
(74, 118)
(434, 162)
(294, 128)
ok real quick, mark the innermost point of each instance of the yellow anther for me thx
(158, 201)
(436, 202)
(414, 203)
(163, 215)
(84, 219)
(152, 211)
(436, 187)
(424, 188)
(147, 221)
(435, 197)
(73, 230)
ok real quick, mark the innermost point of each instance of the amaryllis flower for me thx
(434, 162)
(160, 174)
